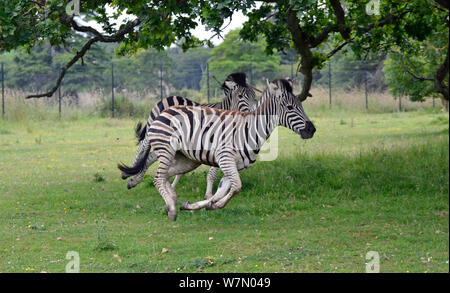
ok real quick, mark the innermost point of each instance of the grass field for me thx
(365, 182)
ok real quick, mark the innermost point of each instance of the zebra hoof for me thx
(210, 206)
(172, 215)
(185, 206)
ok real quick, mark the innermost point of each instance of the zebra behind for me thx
(185, 137)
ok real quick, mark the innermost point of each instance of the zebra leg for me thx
(132, 182)
(212, 174)
(230, 171)
(181, 166)
(175, 181)
(162, 183)
(172, 195)
(224, 186)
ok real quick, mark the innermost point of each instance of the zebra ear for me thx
(290, 81)
(303, 98)
(229, 84)
(271, 86)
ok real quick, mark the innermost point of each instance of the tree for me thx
(302, 24)
(234, 54)
(38, 69)
(190, 66)
(140, 71)
(86, 75)
(349, 71)
(32, 71)
(308, 24)
(413, 74)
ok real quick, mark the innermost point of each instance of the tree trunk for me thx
(444, 104)
(302, 47)
(439, 85)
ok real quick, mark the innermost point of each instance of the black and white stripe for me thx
(182, 138)
(238, 96)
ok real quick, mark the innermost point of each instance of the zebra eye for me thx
(290, 107)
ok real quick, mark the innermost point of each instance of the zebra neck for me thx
(263, 121)
(224, 104)
(227, 101)
(267, 105)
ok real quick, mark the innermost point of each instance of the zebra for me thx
(185, 137)
(238, 96)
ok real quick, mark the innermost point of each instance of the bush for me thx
(123, 107)
(192, 95)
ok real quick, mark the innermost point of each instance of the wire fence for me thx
(161, 86)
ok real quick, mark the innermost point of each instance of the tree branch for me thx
(303, 48)
(37, 3)
(69, 21)
(340, 17)
(303, 44)
(387, 20)
(65, 19)
(64, 69)
(340, 26)
(419, 78)
(338, 48)
(314, 42)
(443, 3)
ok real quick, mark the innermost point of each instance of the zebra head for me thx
(238, 94)
(291, 113)
(234, 80)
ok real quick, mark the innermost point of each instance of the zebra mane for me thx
(265, 95)
(284, 83)
(240, 78)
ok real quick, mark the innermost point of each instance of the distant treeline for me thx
(38, 70)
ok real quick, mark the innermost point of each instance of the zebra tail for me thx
(140, 131)
(138, 166)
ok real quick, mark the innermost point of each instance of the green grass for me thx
(365, 182)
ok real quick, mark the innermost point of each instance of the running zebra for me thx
(238, 96)
(185, 137)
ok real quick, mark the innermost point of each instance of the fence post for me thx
(329, 80)
(3, 92)
(251, 73)
(292, 70)
(112, 88)
(59, 96)
(400, 103)
(365, 89)
(207, 78)
(433, 102)
(160, 80)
